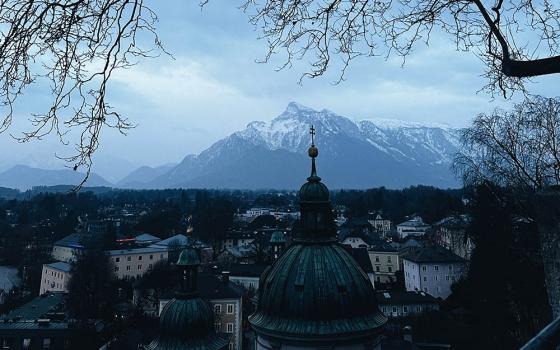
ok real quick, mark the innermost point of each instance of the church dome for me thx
(316, 293)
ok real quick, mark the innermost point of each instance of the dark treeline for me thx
(430, 203)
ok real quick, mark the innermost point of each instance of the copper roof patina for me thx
(316, 292)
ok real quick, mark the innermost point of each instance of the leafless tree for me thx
(519, 148)
(74, 46)
(499, 32)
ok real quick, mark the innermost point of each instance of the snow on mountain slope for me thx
(360, 154)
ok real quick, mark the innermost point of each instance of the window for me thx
(425, 279)
(149, 266)
(390, 268)
(388, 259)
(230, 309)
(217, 309)
(423, 268)
(418, 309)
(394, 309)
(117, 259)
(140, 258)
(128, 258)
(231, 346)
(139, 267)
(161, 256)
(218, 327)
(46, 343)
(435, 277)
(436, 268)
(377, 268)
(376, 259)
(450, 267)
(128, 268)
(229, 328)
(447, 278)
(151, 256)
(26, 344)
(405, 309)
(437, 288)
(116, 269)
(384, 310)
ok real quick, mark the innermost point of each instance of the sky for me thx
(213, 86)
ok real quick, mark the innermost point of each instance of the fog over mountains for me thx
(368, 153)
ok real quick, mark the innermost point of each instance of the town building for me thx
(432, 269)
(133, 263)
(39, 324)
(362, 258)
(397, 304)
(451, 233)
(385, 260)
(414, 227)
(55, 277)
(278, 243)
(69, 248)
(246, 275)
(316, 296)
(380, 224)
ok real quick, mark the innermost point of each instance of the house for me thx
(69, 248)
(133, 263)
(55, 277)
(240, 255)
(234, 239)
(246, 275)
(226, 300)
(385, 259)
(146, 239)
(413, 227)
(432, 269)
(451, 233)
(380, 224)
(396, 304)
(39, 324)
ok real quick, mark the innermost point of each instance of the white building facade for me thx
(133, 263)
(55, 277)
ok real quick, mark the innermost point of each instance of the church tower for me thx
(187, 321)
(316, 295)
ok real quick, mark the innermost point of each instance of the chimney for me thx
(225, 277)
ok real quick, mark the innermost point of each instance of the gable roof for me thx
(59, 265)
(432, 254)
(404, 298)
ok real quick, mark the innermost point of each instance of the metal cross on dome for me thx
(312, 132)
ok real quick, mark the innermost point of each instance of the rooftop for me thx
(181, 240)
(37, 307)
(403, 298)
(146, 237)
(74, 240)
(432, 254)
(246, 270)
(61, 266)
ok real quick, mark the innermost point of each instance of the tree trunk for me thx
(548, 219)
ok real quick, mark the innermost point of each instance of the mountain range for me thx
(273, 154)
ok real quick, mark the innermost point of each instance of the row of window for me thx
(128, 268)
(56, 274)
(218, 327)
(27, 343)
(388, 259)
(140, 257)
(389, 268)
(229, 309)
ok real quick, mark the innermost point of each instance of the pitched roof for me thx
(382, 246)
(74, 240)
(146, 237)
(180, 239)
(145, 250)
(431, 254)
(246, 270)
(61, 266)
(37, 307)
(403, 298)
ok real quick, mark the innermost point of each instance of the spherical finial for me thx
(313, 151)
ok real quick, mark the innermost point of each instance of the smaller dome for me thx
(277, 237)
(313, 151)
(314, 191)
(188, 257)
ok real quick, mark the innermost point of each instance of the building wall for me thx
(397, 311)
(228, 319)
(134, 265)
(66, 254)
(53, 280)
(247, 282)
(385, 264)
(434, 279)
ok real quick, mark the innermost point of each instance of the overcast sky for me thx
(214, 87)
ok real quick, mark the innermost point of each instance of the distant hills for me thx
(352, 154)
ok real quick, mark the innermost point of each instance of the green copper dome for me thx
(187, 321)
(316, 293)
(277, 237)
(188, 257)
